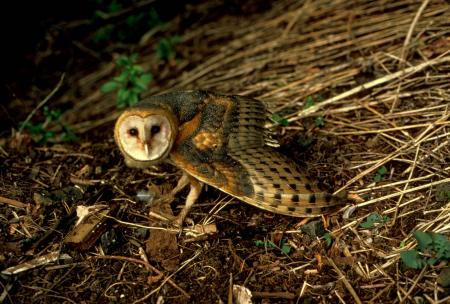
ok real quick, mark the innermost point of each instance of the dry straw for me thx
(382, 69)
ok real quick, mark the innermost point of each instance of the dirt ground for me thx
(361, 92)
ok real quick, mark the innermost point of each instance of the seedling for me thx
(328, 239)
(131, 82)
(284, 247)
(165, 49)
(309, 102)
(374, 220)
(319, 121)
(40, 132)
(280, 120)
(431, 249)
(381, 172)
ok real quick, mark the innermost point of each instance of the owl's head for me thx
(145, 136)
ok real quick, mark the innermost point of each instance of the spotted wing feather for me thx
(229, 151)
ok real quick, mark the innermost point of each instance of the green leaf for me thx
(109, 87)
(175, 40)
(146, 78)
(286, 249)
(104, 33)
(424, 240)
(412, 259)
(133, 20)
(37, 129)
(441, 245)
(309, 102)
(319, 122)
(143, 81)
(382, 170)
(121, 79)
(265, 244)
(379, 176)
(114, 6)
(122, 97)
(373, 219)
(280, 120)
(165, 50)
(51, 115)
(133, 99)
(123, 61)
(154, 19)
(134, 57)
(328, 239)
(137, 69)
(68, 134)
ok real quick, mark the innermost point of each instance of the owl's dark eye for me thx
(133, 132)
(155, 129)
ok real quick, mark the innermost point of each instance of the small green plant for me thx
(40, 132)
(309, 102)
(165, 48)
(131, 82)
(328, 239)
(381, 172)
(280, 120)
(374, 220)
(104, 33)
(319, 121)
(431, 249)
(284, 246)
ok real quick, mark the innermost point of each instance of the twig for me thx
(147, 265)
(43, 102)
(397, 205)
(185, 263)
(13, 202)
(346, 282)
(410, 144)
(385, 197)
(416, 281)
(410, 32)
(404, 53)
(368, 85)
(274, 295)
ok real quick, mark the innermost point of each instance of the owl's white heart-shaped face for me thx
(144, 138)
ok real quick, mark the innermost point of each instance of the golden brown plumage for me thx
(221, 141)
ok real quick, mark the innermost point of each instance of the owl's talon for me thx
(194, 192)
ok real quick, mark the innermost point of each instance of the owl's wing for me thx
(280, 186)
(225, 147)
(245, 124)
(263, 178)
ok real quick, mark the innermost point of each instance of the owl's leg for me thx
(182, 182)
(194, 192)
(167, 198)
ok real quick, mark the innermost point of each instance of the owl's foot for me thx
(194, 193)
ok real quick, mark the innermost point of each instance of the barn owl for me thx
(221, 141)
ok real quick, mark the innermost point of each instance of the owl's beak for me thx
(147, 149)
